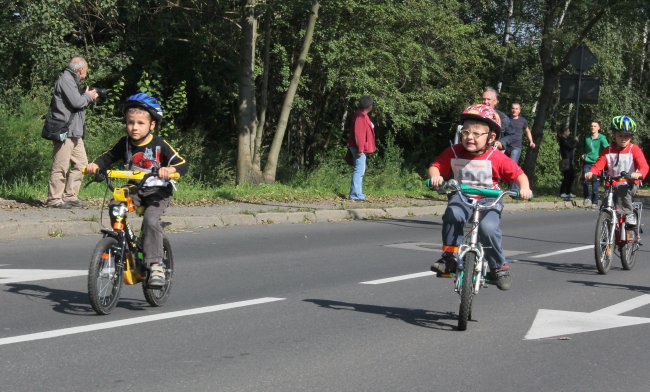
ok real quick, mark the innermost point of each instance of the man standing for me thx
(361, 141)
(68, 105)
(512, 138)
(490, 98)
(591, 147)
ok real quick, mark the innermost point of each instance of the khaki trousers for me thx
(64, 185)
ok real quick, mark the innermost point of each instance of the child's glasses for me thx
(474, 134)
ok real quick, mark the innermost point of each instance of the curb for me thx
(57, 229)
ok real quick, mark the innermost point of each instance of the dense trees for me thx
(228, 71)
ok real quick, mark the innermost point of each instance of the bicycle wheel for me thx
(603, 248)
(628, 251)
(104, 278)
(467, 290)
(158, 296)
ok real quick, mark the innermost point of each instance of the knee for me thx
(453, 216)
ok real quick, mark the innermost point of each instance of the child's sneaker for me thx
(445, 266)
(156, 276)
(503, 278)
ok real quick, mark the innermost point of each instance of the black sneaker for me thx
(445, 266)
(503, 278)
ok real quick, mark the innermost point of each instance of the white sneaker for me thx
(630, 219)
(586, 203)
(156, 276)
(571, 195)
(564, 196)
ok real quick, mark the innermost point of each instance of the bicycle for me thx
(118, 256)
(472, 272)
(612, 235)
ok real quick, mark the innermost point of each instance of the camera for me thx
(102, 92)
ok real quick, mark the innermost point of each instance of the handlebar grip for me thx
(174, 176)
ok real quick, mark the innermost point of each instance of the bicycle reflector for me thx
(121, 194)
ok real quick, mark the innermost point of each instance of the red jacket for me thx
(610, 156)
(362, 134)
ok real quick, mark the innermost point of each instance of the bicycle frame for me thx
(618, 232)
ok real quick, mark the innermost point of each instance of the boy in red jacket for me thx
(477, 163)
(627, 157)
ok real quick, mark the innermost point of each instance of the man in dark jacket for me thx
(68, 105)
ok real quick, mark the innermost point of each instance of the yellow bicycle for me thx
(118, 257)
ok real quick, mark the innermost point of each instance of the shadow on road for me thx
(570, 268)
(68, 301)
(420, 317)
(638, 289)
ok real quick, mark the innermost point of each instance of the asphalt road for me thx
(314, 321)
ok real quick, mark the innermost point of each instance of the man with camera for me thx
(68, 109)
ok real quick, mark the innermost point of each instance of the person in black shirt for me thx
(141, 150)
(567, 156)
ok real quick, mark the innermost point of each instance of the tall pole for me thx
(575, 126)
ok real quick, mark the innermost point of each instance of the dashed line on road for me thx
(398, 278)
(559, 252)
(132, 321)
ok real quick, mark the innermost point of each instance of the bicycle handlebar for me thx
(131, 174)
(454, 186)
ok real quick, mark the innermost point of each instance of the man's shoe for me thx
(503, 278)
(564, 196)
(156, 276)
(586, 203)
(63, 206)
(76, 203)
(571, 195)
(594, 205)
(445, 266)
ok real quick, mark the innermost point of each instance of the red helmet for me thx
(483, 113)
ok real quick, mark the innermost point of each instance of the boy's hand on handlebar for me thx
(91, 168)
(166, 172)
(588, 175)
(525, 194)
(436, 181)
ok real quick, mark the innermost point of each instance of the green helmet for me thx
(623, 124)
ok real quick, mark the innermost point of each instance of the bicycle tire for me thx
(628, 252)
(157, 297)
(467, 290)
(104, 278)
(603, 249)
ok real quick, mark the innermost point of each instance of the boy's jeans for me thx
(455, 217)
(623, 195)
(155, 200)
(356, 187)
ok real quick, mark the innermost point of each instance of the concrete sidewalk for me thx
(19, 220)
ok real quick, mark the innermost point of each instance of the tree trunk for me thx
(271, 166)
(257, 149)
(247, 121)
(506, 42)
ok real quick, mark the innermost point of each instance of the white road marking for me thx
(132, 321)
(28, 275)
(559, 252)
(549, 323)
(398, 278)
(437, 248)
(625, 306)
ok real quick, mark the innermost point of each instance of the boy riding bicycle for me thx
(143, 151)
(477, 163)
(627, 157)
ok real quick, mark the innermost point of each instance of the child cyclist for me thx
(624, 156)
(477, 163)
(141, 150)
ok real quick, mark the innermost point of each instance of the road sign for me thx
(551, 323)
(581, 58)
(589, 89)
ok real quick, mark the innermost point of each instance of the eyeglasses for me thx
(475, 134)
(487, 99)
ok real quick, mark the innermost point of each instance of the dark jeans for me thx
(594, 182)
(567, 181)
